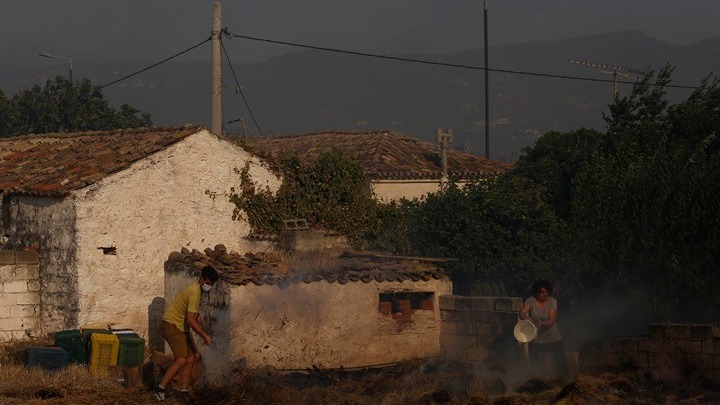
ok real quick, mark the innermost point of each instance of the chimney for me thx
(444, 138)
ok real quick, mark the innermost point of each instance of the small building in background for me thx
(396, 165)
(325, 308)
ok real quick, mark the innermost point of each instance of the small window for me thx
(111, 250)
(397, 303)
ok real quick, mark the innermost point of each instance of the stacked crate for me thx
(71, 341)
(47, 358)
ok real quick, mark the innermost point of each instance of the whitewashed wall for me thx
(387, 190)
(156, 206)
(327, 325)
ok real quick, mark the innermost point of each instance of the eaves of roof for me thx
(346, 267)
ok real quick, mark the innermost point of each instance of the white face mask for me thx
(206, 287)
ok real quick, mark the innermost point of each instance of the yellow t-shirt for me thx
(188, 300)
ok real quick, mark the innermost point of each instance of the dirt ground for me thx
(414, 382)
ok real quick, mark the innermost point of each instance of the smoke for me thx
(215, 357)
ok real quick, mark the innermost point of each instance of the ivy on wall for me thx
(331, 193)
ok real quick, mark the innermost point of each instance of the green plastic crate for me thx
(72, 342)
(131, 352)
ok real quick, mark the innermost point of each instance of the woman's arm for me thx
(550, 322)
(524, 312)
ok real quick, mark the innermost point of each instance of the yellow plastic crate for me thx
(104, 352)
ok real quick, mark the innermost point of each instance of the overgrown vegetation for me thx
(64, 106)
(332, 193)
(632, 212)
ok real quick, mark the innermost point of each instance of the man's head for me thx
(208, 277)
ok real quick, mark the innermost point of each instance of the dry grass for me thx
(408, 383)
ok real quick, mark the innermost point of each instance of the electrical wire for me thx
(155, 64)
(444, 64)
(238, 89)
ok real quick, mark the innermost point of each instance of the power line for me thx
(156, 64)
(238, 89)
(445, 64)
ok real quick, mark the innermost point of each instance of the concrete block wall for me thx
(19, 294)
(476, 328)
(670, 352)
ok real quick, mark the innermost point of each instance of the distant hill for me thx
(315, 91)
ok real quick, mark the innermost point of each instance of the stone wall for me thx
(47, 224)
(670, 352)
(19, 294)
(478, 328)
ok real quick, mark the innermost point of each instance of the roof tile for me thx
(344, 267)
(55, 164)
(384, 155)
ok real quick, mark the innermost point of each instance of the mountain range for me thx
(314, 90)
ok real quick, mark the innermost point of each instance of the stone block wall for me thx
(670, 352)
(19, 294)
(476, 328)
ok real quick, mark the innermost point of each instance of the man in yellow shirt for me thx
(179, 318)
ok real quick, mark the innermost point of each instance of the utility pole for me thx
(487, 85)
(444, 138)
(610, 69)
(69, 60)
(216, 73)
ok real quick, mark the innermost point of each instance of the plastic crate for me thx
(71, 341)
(86, 335)
(124, 332)
(103, 352)
(47, 358)
(131, 352)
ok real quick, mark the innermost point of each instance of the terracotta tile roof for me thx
(55, 164)
(384, 155)
(334, 266)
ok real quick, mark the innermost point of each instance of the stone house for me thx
(330, 309)
(102, 209)
(397, 165)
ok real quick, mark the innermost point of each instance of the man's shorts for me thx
(181, 343)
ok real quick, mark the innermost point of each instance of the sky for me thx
(151, 30)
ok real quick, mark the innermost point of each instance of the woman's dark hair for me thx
(542, 284)
(210, 273)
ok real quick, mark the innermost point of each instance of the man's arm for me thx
(191, 319)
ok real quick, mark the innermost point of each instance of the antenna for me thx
(615, 70)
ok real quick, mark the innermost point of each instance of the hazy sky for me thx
(101, 30)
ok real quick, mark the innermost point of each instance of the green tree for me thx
(647, 216)
(554, 161)
(501, 230)
(7, 114)
(65, 106)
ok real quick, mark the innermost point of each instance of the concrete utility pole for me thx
(487, 86)
(216, 74)
(610, 69)
(444, 138)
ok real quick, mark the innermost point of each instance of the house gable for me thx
(56, 164)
